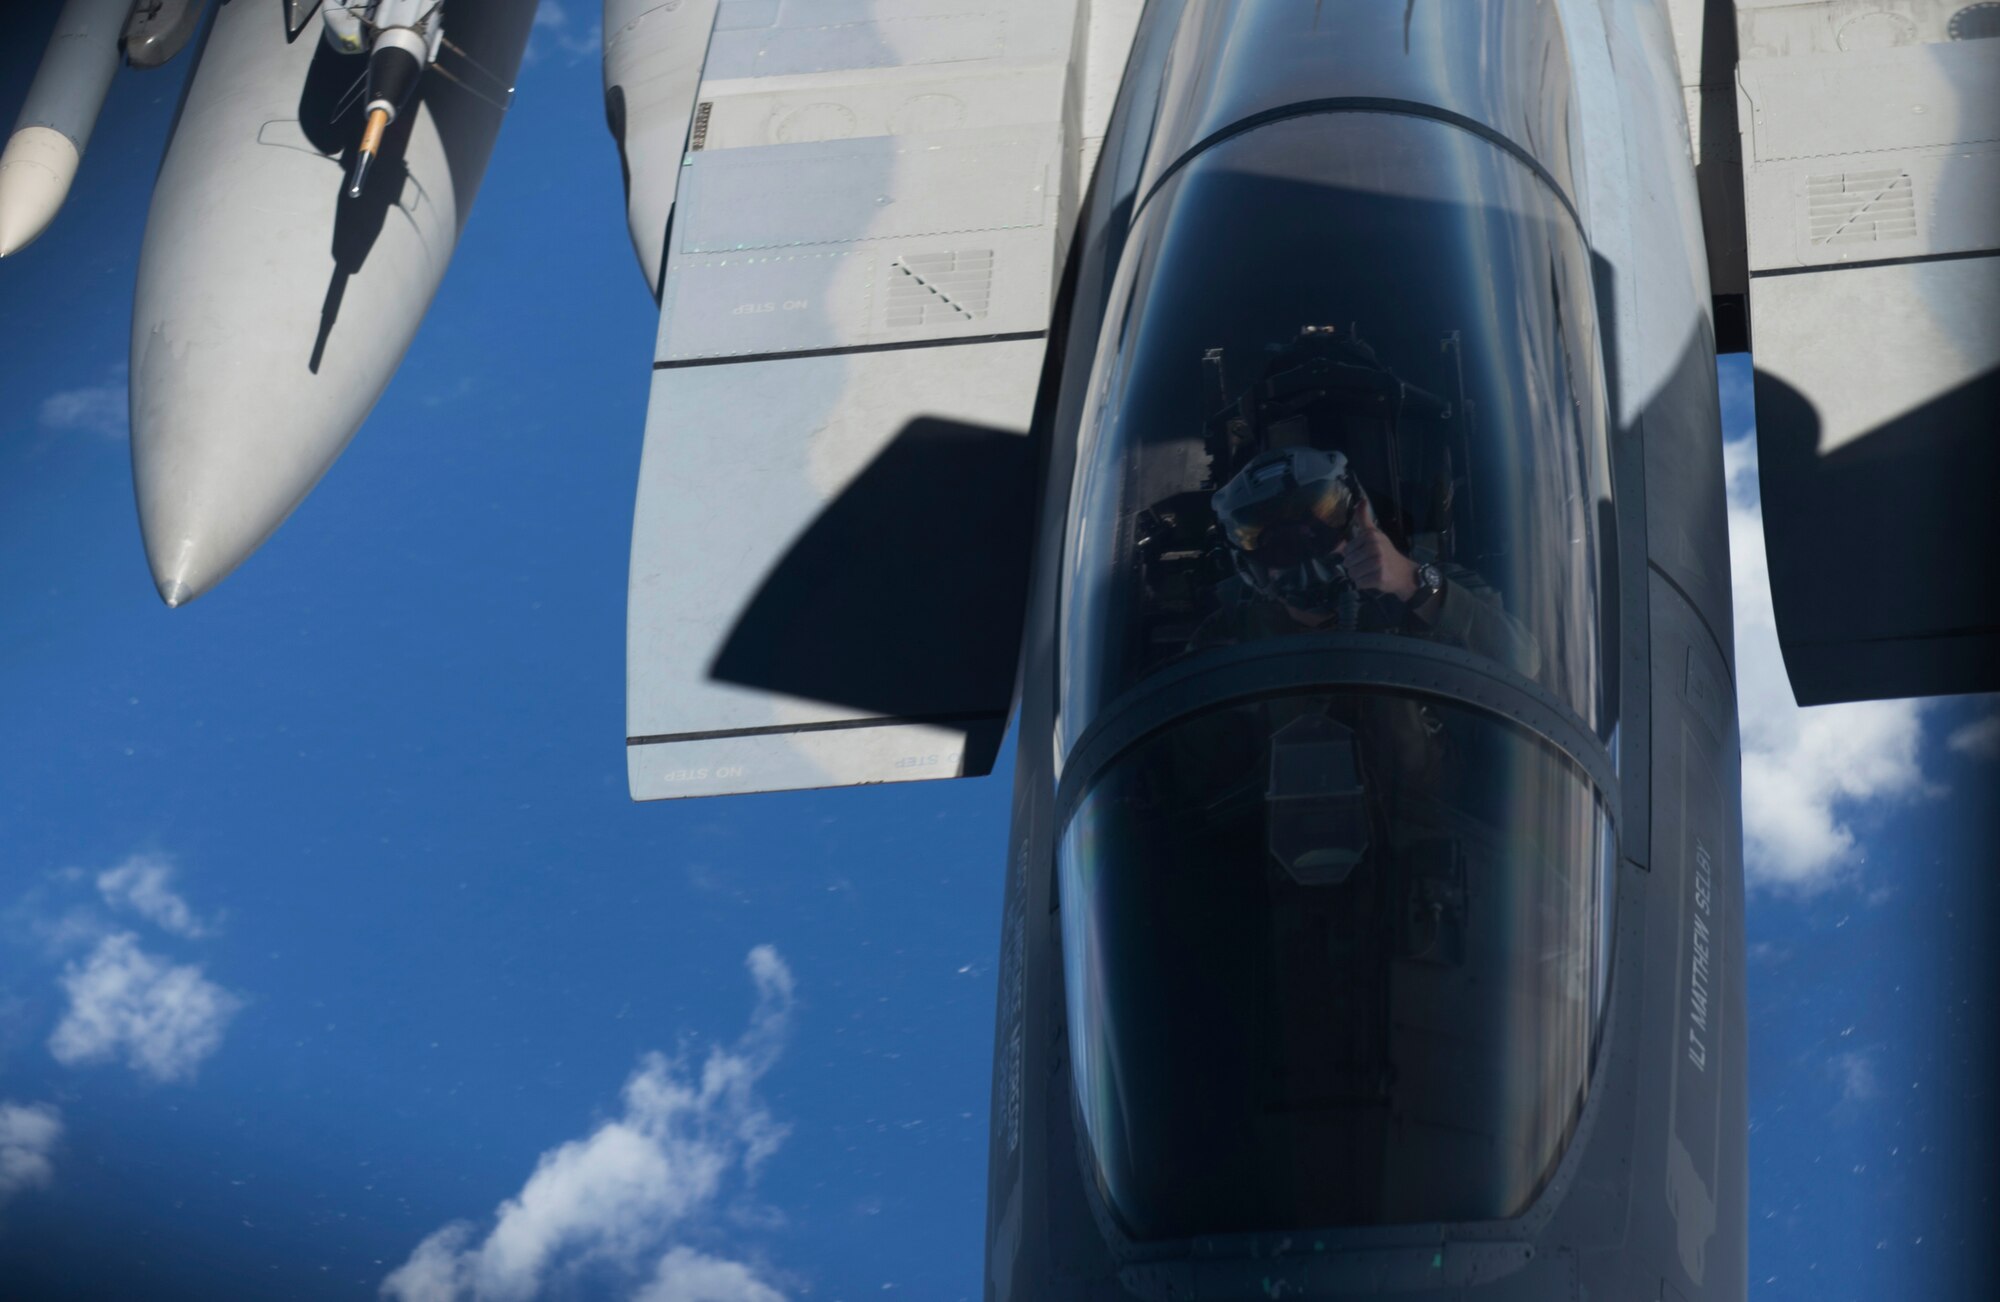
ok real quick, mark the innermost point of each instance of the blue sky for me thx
(333, 957)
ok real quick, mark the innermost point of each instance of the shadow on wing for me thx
(1885, 552)
(904, 598)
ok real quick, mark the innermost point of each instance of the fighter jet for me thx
(1300, 419)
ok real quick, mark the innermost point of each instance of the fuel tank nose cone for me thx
(35, 174)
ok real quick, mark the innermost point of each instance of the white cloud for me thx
(28, 1133)
(140, 884)
(685, 1275)
(617, 1195)
(96, 408)
(163, 1017)
(1980, 739)
(67, 931)
(438, 1270)
(1856, 1073)
(1806, 773)
(552, 30)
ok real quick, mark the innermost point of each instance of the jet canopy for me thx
(1338, 699)
(1392, 290)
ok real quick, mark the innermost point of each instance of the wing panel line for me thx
(849, 350)
(831, 725)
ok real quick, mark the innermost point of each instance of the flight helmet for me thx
(1283, 515)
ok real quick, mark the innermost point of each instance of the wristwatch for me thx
(1430, 582)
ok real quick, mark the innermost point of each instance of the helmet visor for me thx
(1303, 521)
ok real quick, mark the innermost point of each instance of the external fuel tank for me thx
(55, 122)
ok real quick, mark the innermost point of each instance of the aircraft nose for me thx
(270, 310)
(253, 363)
(220, 458)
(201, 514)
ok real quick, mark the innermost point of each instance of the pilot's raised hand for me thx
(1373, 562)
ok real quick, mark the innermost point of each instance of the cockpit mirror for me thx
(1316, 813)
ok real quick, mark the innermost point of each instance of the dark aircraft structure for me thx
(1392, 946)
(1373, 922)
(1301, 420)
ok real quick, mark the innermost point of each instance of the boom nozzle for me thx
(371, 145)
(407, 36)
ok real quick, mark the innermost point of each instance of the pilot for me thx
(1307, 546)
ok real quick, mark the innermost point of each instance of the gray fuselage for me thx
(1638, 1189)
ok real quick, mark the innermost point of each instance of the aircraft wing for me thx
(1869, 231)
(866, 243)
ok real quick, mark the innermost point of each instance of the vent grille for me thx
(1861, 207)
(940, 288)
